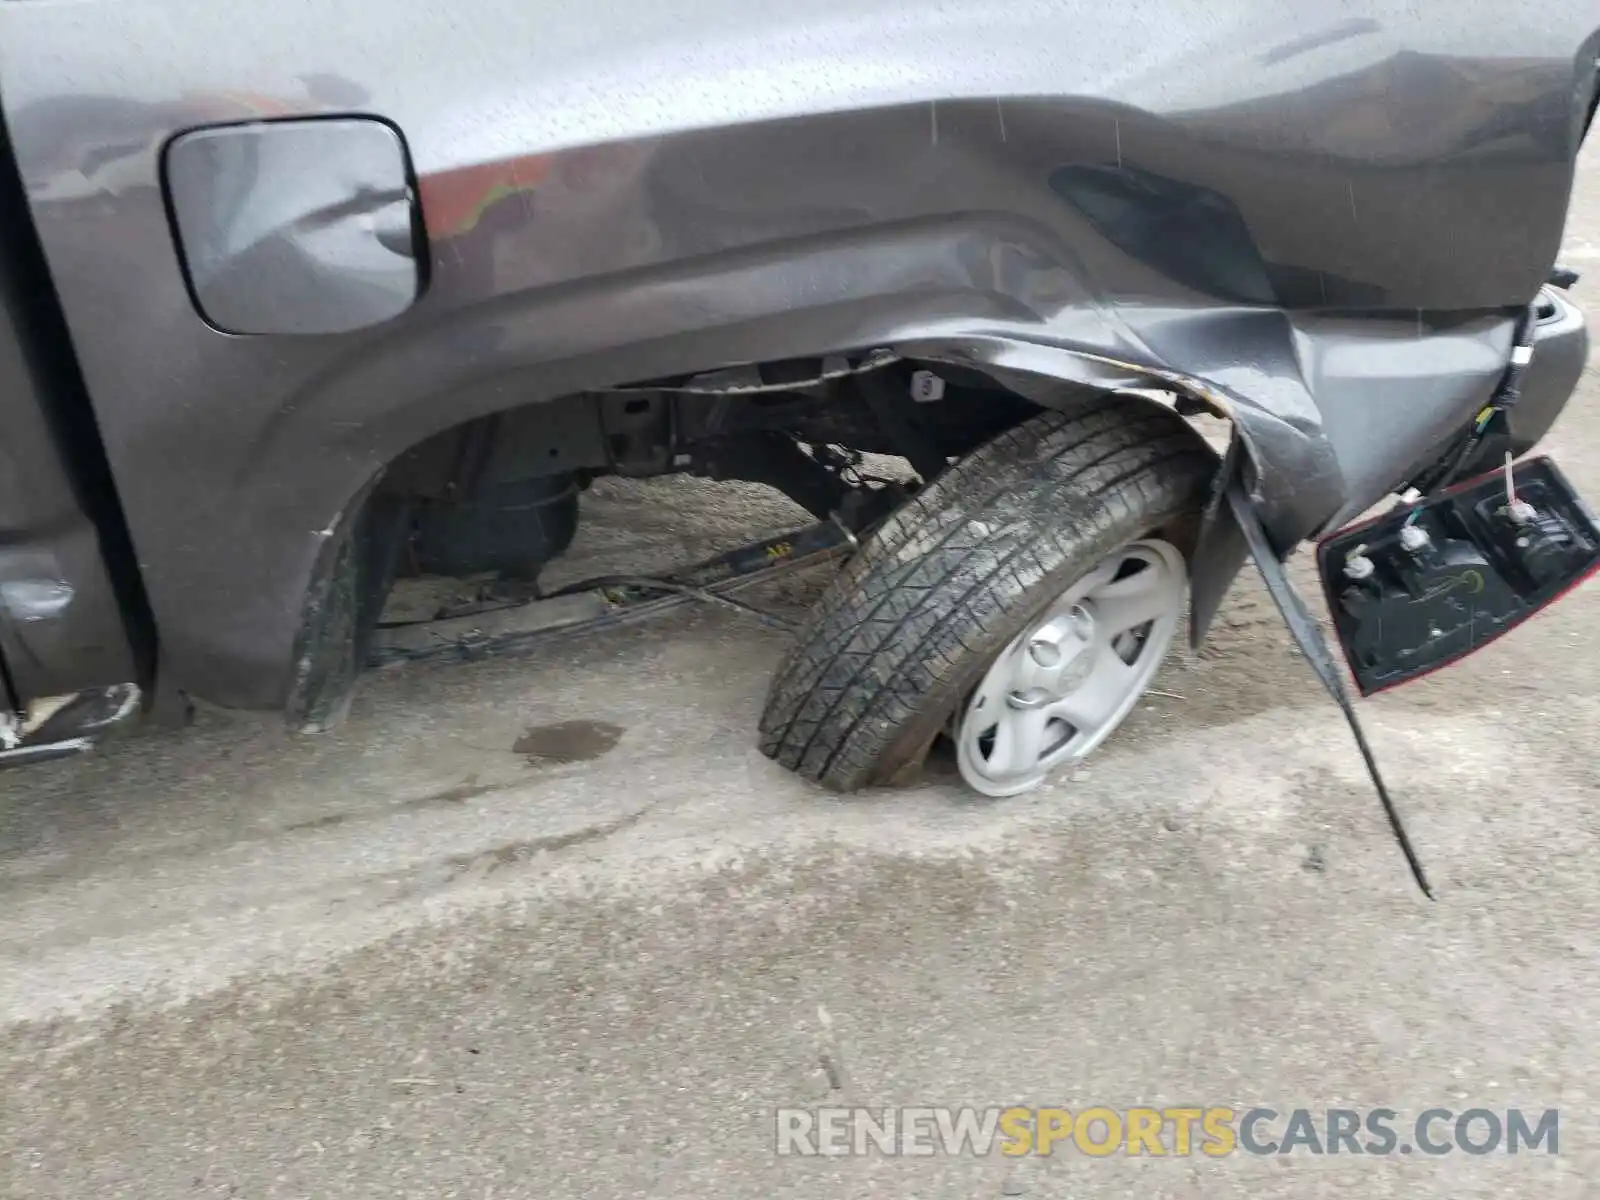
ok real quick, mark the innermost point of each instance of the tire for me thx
(912, 622)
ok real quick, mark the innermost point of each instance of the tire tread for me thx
(945, 582)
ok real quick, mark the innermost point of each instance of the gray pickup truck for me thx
(299, 298)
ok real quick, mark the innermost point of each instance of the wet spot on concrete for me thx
(468, 789)
(445, 871)
(567, 742)
(513, 853)
(326, 821)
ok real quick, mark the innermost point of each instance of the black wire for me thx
(1469, 445)
(642, 582)
(1505, 398)
(653, 583)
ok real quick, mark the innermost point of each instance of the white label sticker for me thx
(926, 387)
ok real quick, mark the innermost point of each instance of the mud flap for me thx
(1308, 636)
(1424, 586)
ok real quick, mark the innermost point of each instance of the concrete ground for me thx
(410, 959)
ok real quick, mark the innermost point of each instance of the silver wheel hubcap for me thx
(1068, 680)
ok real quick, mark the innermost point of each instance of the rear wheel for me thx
(1022, 603)
(1066, 682)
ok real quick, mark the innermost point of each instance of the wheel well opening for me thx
(495, 500)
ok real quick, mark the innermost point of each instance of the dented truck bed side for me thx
(1321, 226)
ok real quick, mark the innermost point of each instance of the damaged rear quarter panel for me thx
(1244, 195)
